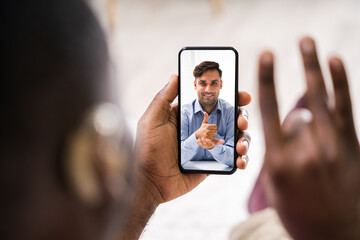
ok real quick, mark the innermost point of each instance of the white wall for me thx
(148, 37)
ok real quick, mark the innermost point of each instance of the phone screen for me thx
(208, 86)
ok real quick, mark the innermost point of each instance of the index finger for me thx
(212, 126)
(268, 103)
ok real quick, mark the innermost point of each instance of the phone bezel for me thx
(236, 112)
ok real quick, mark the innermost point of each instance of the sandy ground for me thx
(145, 44)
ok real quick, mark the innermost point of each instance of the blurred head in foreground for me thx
(64, 159)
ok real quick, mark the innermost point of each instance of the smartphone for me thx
(208, 86)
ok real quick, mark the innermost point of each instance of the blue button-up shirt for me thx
(192, 116)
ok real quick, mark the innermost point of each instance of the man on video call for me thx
(207, 123)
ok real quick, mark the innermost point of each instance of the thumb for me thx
(161, 102)
(206, 118)
(170, 91)
(218, 141)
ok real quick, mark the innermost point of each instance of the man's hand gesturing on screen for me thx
(205, 135)
(206, 130)
(208, 144)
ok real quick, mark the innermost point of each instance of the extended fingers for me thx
(343, 108)
(268, 103)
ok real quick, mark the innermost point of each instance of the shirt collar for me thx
(198, 108)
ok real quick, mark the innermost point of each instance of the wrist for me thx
(148, 191)
(142, 205)
(197, 135)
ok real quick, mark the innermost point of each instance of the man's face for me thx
(208, 88)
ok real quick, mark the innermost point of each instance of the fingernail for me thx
(307, 45)
(172, 76)
(335, 64)
(245, 158)
(266, 59)
(245, 143)
(245, 114)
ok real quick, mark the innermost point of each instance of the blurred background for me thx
(145, 37)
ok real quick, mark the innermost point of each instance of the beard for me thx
(208, 101)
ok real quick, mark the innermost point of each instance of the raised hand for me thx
(206, 130)
(312, 162)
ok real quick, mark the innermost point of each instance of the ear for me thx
(97, 163)
(221, 82)
(195, 84)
